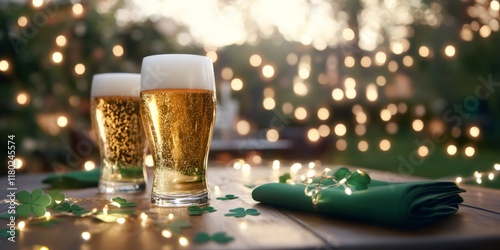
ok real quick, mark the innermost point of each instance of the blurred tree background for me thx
(404, 86)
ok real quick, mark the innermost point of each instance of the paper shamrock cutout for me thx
(196, 210)
(227, 197)
(241, 212)
(123, 202)
(74, 209)
(220, 237)
(35, 202)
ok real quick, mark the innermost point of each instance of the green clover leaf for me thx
(241, 212)
(341, 173)
(227, 197)
(56, 198)
(196, 210)
(35, 202)
(74, 209)
(283, 178)
(123, 202)
(219, 237)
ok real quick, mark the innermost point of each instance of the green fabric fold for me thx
(405, 205)
(74, 179)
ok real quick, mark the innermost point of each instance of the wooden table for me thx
(475, 226)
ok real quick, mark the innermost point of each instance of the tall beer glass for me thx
(178, 112)
(116, 121)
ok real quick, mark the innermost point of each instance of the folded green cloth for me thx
(405, 205)
(74, 179)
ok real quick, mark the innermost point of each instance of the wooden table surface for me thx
(475, 226)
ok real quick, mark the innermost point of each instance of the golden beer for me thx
(117, 124)
(179, 124)
(178, 106)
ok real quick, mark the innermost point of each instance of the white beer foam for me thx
(177, 71)
(116, 84)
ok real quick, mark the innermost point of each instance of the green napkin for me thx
(74, 179)
(405, 205)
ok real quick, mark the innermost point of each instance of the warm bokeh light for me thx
(449, 51)
(287, 108)
(300, 113)
(360, 129)
(268, 92)
(255, 60)
(350, 93)
(474, 131)
(424, 51)
(451, 149)
(361, 117)
(272, 135)
(469, 151)
(366, 61)
(363, 146)
(118, 50)
(341, 145)
(77, 9)
(340, 129)
(423, 151)
(79, 69)
(4, 65)
(212, 55)
(402, 108)
(385, 115)
(37, 3)
(391, 128)
(381, 81)
(243, 127)
(300, 88)
(61, 41)
(385, 145)
(417, 125)
(323, 114)
(408, 61)
(324, 130)
(392, 66)
(485, 31)
(22, 98)
(337, 94)
(349, 83)
(349, 61)
(313, 135)
(371, 92)
(268, 103)
(57, 57)
(348, 34)
(268, 71)
(62, 121)
(22, 21)
(89, 165)
(149, 160)
(226, 73)
(86, 236)
(380, 58)
(236, 84)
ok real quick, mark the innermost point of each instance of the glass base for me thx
(112, 187)
(180, 200)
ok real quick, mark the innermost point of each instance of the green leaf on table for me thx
(56, 198)
(64, 207)
(219, 237)
(241, 212)
(227, 197)
(123, 202)
(77, 210)
(7, 233)
(250, 185)
(177, 226)
(283, 178)
(196, 210)
(35, 202)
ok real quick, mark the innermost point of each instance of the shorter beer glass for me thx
(178, 112)
(116, 121)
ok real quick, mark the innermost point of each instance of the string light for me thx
(118, 50)
(236, 84)
(86, 236)
(77, 9)
(268, 71)
(22, 21)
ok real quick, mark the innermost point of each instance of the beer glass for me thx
(178, 112)
(116, 121)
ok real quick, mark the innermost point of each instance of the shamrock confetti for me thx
(123, 202)
(241, 212)
(227, 197)
(220, 237)
(35, 202)
(74, 209)
(177, 226)
(357, 179)
(196, 210)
